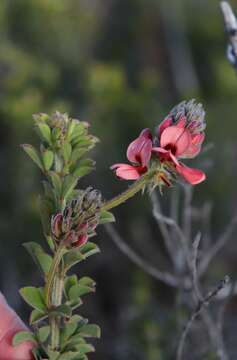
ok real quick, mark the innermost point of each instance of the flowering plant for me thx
(70, 216)
(69, 219)
(179, 136)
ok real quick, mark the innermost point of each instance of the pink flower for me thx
(181, 136)
(139, 154)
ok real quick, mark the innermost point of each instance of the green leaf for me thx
(76, 130)
(42, 260)
(72, 257)
(62, 310)
(33, 154)
(70, 355)
(84, 168)
(69, 328)
(33, 297)
(90, 330)
(87, 281)
(37, 316)
(53, 355)
(76, 291)
(106, 217)
(85, 348)
(43, 333)
(89, 249)
(44, 130)
(56, 182)
(69, 184)
(77, 154)
(21, 337)
(69, 282)
(48, 157)
(66, 151)
(46, 210)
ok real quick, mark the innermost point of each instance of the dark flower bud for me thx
(193, 113)
(92, 200)
(56, 225)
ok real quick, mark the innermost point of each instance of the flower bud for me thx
(192, 112)
(92, 200)
(56, 225)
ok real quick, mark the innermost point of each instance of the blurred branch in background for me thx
(231, 29)
(177, 234)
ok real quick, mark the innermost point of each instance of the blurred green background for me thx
(121, 65)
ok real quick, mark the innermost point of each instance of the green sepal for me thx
(106, 217)
(23, 336)
(48, 157)
(33, 154)
(42, 260)
(33, 296)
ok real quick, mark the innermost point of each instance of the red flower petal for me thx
(198, 139)
(193, 176)
(165, 154)
(182, 122)
(139, 151)
(176, 137)
(126, 172)
(165, 123)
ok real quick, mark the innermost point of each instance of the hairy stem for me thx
(53, 291)
(130, 192)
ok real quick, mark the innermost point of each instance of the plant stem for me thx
(53, 292)
(130, 192)
(51, 275)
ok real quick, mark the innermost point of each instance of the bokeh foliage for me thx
(121, 65)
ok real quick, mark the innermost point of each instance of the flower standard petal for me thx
(176, 137)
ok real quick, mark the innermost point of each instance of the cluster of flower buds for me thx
(179, 136)
(78, 220)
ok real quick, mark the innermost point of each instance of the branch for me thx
(165, 277)
(231, 29)
(220, 243)
(161, 219)
(201, 305)
(157, 213)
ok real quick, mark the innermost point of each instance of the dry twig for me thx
(165, 277)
